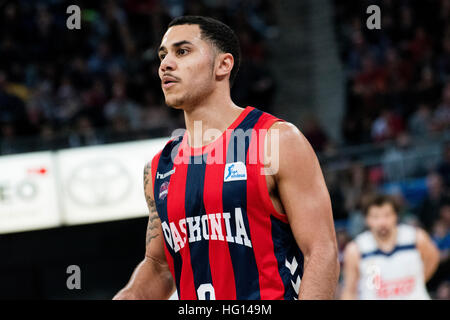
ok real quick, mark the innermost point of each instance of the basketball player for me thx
(223, 225)
(390, 260)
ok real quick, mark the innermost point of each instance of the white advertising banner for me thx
(105, 182)
(28, 192)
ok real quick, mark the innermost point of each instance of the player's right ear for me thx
(225, 63)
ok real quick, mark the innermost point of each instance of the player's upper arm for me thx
(351, 271)
(154, 239)
(429, 253)
(302, 189)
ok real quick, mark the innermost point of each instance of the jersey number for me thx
(206, 292)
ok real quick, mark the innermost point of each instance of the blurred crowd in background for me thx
(398, 105)
(398, 76)
(100, 85)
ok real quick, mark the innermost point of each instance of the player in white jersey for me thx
(389, 260)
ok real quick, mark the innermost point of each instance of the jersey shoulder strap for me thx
(366, 242)
(267, 120)
(406, 235)
(165, 154)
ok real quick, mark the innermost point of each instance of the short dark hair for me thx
(221, 35)
(378, 200)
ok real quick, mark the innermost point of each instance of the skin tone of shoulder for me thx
(195, 78)
(429, 253)
(305, 200)
(351, 272)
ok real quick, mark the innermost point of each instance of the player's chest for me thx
(205, 186)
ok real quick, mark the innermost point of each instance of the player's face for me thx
(187, 66)
(382, 220)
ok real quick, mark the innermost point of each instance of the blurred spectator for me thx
(49, 139)
(353, 185)
(120, 129)
(93, 102)
(102, 60)
(441, 231)
(254, 83)
(121, 106)
(420, 122)
(315, 133)
(337, 197)
(441, 115)
(441, 236)
(443, 291)
(443, 62)
(427, 89)
(428, 211)
(401, 161)
(398, 69)
(388, 125)
(153, 114)
(84, 134)
(356, 186)
(380, 127)
(444, 166)
(49, 76)
(7, 138)
(68, 101)
(343, 238)
(352, 130)
(12, 111)
(406, 214)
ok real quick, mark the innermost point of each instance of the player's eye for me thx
(182, 52)
(161, 56)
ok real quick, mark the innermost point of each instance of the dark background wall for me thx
(33, 264)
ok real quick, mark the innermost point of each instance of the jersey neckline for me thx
(201, 150)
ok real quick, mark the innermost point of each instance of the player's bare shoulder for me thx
(286, 132)
(283, 140)
(351, 252)
(421, 236)
(427, 248)
(290, 138)
(289, 149)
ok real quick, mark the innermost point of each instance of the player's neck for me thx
(387, 243)
(218, 115)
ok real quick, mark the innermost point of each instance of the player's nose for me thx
(168, 63)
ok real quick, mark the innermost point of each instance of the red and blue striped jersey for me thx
(223, 238)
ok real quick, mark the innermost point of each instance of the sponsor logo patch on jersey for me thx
(235, 171)
(163, 190)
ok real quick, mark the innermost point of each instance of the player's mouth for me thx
(168, 81)
(383, 232)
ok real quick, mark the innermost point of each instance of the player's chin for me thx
(173, 103)
(383, 233)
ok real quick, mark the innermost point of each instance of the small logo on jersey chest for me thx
(164, 175)
(235, 171)
(163, 190)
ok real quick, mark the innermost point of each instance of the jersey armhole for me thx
(155, 160)
(262, 177)
(415, 236)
